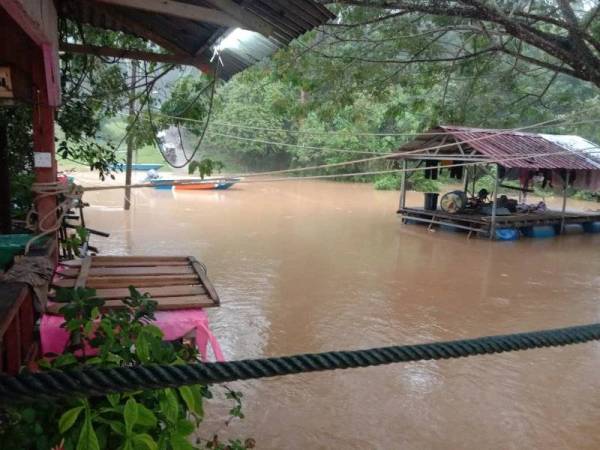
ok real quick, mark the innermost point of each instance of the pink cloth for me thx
(174, 325)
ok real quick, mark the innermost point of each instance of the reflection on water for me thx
(314, 266)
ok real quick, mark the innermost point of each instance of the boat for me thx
(219, 184)
(193, 184)
(167, 183)
(138, 166)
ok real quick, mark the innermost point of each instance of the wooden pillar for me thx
(43, 138)
(403, 185)
(130, 142)
(564, 204)
(494, 206)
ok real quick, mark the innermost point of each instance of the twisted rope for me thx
(70, 193)
(91, 382)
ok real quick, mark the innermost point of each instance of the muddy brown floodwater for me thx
(314, 266)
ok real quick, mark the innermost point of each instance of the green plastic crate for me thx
(11, 245)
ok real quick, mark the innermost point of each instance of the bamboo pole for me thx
(494, 206)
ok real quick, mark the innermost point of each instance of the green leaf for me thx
(192, 399)
(184, 427)
(117, 427)
(66, 359)
(113, 399)
(131, 414)
(169, 405)
(146, 418)
(68, 419)
(180, 443)
(87, 438)
(146, 441)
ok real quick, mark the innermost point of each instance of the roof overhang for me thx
(189, 31)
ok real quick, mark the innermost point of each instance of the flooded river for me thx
(315, 266)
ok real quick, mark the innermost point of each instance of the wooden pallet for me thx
(175, 282)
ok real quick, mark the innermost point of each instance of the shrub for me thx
(160, 419)
(387, 183)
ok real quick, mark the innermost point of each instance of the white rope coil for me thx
(70, 193)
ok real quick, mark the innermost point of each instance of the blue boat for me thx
(140, 166)
(194, 183)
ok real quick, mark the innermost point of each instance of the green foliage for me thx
(205, 167)
(20, 156)
(75, 240)
(98, 157)
(161, 419)
(387, 183)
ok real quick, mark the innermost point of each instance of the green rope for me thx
(94, 381)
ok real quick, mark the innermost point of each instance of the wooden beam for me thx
(199, 62)
(136, 28)
(250, 20)
(181, 10)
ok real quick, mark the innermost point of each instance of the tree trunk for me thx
(5, 209)
(130, 140)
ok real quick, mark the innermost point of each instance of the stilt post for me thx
(564, 205)
(403, 185)
(130, 142)
(494, 205)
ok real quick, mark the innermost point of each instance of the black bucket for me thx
(431, 200)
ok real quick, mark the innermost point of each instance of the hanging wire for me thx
(202, 135)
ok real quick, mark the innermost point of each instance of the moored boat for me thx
(193, 184)
(139, 166)
(219, 184)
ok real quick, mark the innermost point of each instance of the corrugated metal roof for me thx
(515, 149)
(288, 20)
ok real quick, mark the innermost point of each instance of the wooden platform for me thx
(481, 224)
(174, 282)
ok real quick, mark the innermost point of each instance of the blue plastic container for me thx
(507, 234)
(591, 227)
(539, 231)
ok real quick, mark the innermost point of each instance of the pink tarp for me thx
(174, 325)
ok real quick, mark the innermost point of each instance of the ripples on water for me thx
(315, 266)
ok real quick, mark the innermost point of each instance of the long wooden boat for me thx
(139, 166)
(167, 183)
(221, 184)
(194, 184)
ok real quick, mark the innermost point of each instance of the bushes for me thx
(149, 420)
(416, 181)
(387, 183)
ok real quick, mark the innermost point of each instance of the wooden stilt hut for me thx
(561, 161)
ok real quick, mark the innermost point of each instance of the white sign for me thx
(42, 160)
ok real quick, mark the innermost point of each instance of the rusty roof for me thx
(511, 149)
(286, 21)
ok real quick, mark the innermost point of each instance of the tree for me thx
(559, 35)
